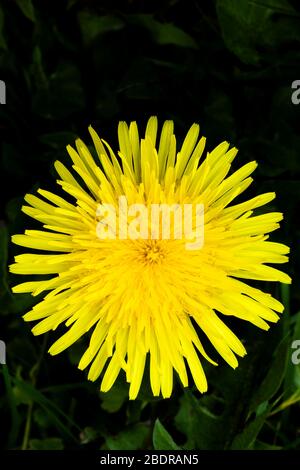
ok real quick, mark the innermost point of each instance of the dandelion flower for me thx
(144, 298)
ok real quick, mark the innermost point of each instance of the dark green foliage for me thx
(227, 64)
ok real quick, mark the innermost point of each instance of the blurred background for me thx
(225, 64)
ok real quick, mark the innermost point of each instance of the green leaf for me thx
(51, 443)
(54, 412)
(185, 421)
(38, 74)
(246, 438)
(63, 96)
(291, 400)
(21, 396)
(162, 440)
(27, 9)
(248, 26)
(132, 438)
(113, 400)
(41, 418)
(259, 445)
(164, 33)
(195, 420)
(275, 375)
(15, 417)
(92, 25)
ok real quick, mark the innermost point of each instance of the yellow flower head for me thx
(150, 295)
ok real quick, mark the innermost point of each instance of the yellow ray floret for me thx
(139, 298)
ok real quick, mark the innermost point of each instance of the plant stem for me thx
(34, 373)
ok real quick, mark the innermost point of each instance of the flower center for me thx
(152, 253)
